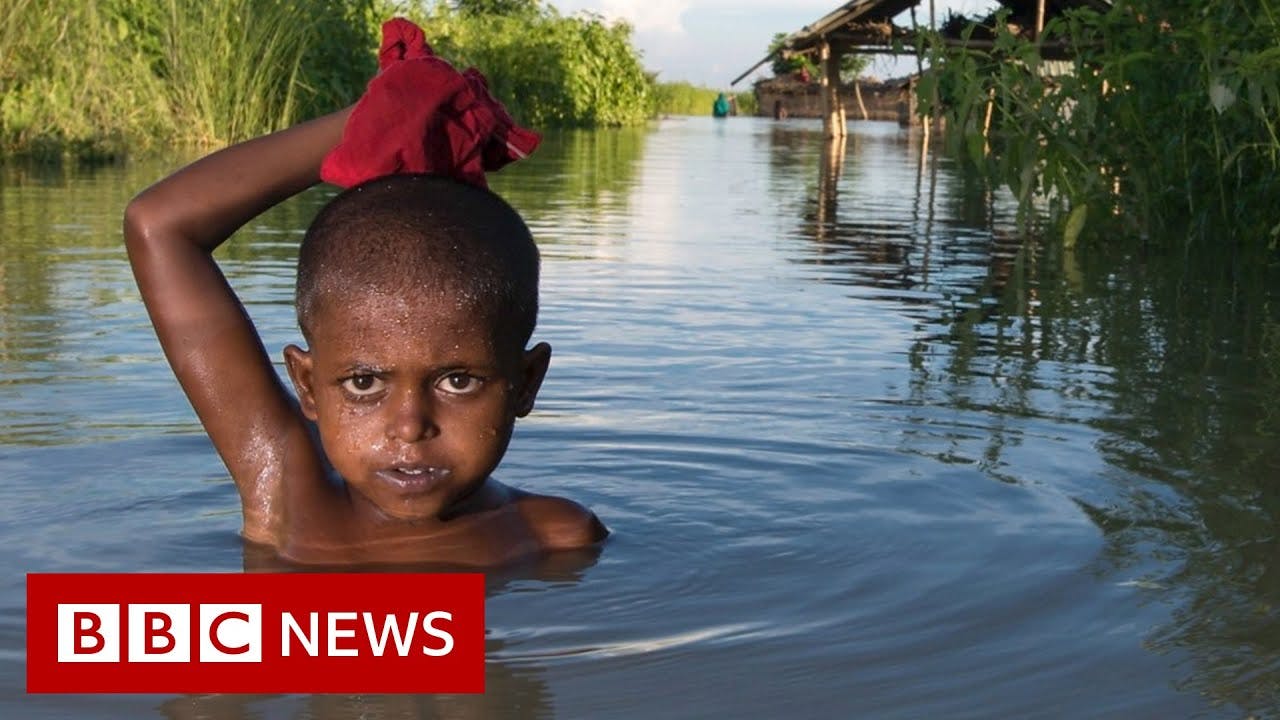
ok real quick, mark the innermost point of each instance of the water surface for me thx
(863, 451)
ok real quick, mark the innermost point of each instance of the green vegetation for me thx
(550, 70)
(1164, 125)
(783, 66)
(851, 65)
(99, 78)
(682, 98)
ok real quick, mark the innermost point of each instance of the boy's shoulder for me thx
(558, 523)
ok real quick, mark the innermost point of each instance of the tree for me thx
(851, 65)
(497, 7)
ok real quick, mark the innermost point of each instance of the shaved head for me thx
(421, 236)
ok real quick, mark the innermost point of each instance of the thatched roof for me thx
(870, 23)
(841, 21)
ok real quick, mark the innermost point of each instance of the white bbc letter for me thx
(335, 633)
(434, 632)
(88, 633)
(159, 633)
(310, 642)
(230, 633)
(391, 627)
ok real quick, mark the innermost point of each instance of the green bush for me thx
(98, 78)
(1164, 127)
(550, 70)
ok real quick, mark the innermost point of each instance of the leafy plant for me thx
(550, 70)
(1162, 123)
(784, 65)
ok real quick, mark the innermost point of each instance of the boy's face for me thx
(414, 401)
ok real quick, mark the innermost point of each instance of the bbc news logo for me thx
(356, 633)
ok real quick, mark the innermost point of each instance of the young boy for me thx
(416, 297)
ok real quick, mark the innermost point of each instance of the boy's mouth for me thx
(414, 478)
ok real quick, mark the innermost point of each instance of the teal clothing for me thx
(721, 107)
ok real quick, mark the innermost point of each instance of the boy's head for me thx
(427, 236)
(417, 296)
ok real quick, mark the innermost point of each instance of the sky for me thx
(710, 42)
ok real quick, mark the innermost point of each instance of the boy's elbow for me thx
(137, 221)
(144, 220)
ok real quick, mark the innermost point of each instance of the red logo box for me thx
(259, 633)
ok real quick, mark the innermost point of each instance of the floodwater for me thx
(863, 452)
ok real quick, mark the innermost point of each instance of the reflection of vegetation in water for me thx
(1189, 420)
(1171, 360)
(581, 169)
(51, 215)
(794, 151)
(1195, 377)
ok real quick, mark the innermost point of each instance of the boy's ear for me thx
(298, 362)
(534, 369)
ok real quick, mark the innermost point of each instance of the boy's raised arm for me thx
(170, 231)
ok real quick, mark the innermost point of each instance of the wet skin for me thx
(413, 401)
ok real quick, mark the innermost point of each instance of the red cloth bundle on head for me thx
(420, 115)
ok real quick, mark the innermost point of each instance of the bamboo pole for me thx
(832, 112)
(857, 93)
(1039, 18)
(927, 122)
(843, 122)
(828, 127)
(912, 102)
(986, 122)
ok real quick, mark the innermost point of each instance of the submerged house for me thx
(863, 99)
(868, 27)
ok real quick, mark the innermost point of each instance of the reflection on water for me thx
(1175, 359)
(862, 447)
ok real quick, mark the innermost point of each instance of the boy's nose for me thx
(412, 418)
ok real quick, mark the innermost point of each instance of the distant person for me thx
(417, 295)
(779, 110)
(720, 108)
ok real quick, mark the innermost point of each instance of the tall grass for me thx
(72, 79)
(100, 78)
(682, 98)
(237, 68)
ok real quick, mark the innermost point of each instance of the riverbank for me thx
(114, 77)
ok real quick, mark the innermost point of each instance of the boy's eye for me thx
(459, 383)
(362, 385)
